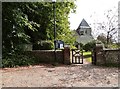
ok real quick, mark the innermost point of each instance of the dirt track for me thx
(85, 75)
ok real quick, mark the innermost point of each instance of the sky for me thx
(86, 8)
(93, 12)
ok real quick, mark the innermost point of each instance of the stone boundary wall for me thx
(48, 56)
(102, 56)
(112, 55)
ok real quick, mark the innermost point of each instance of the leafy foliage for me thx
(45, 45)
(30, 23)
(89, 46)
(18, 59)
(114, 46)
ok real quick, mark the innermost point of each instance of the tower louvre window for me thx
(81, 32)
(86, 31)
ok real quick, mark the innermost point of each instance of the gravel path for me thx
(46, 75)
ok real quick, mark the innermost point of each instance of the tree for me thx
(102, 38)
(31, 22)
(109, 24)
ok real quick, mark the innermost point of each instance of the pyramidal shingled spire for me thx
(84, 23)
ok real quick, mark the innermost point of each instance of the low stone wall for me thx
(102, 56)
(112, 55)
(48, 56)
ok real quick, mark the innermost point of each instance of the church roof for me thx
(84, 24)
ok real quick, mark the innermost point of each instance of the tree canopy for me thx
(30, 22)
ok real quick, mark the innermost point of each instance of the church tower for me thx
(84, 33)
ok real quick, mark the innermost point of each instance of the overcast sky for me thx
(86, 8)
(93, 12)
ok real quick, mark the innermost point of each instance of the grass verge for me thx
(87, 56)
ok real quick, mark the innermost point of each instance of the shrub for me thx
(17, 59)
(45, 45)
(76, 45)
(113, 45)
(89, 46)
(72, 47)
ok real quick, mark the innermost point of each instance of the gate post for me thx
(94, 56)
(66, 52)
(98, 54)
